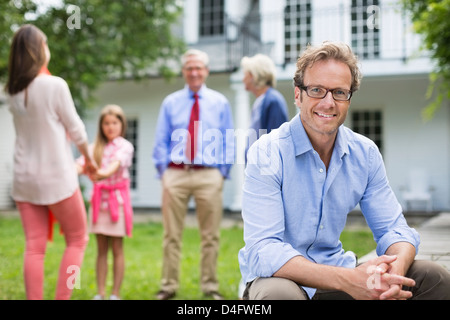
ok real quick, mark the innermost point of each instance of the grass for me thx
(143, 253)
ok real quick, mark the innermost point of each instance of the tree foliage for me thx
(12, 15)
(431, 19)
(94, 40)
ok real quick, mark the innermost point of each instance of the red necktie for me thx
(191, 146)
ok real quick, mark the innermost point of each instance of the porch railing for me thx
(378, 33)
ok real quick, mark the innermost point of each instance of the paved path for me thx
(434, 241)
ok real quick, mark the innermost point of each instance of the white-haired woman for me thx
(269, 110)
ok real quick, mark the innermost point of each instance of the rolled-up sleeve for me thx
(382, 210)
(124, 153)
(265, 250)
(161, 150)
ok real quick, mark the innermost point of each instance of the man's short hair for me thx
(328, 50)
(202, 56)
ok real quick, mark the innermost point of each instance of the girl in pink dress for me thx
(111, 212)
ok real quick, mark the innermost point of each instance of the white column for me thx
(272, 27)
(191, 21)
(236, 10)
(242, 123)
(6, 153)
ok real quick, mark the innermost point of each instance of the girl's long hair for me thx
(101, 140)
(26, 58)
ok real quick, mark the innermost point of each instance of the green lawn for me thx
(143, 254)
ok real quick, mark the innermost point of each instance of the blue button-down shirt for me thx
(292, 206)
(214, 147)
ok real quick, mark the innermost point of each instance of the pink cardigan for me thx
(44, 171)
(113, 203)
(104, 193)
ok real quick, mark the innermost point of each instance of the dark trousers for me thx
(432, 283)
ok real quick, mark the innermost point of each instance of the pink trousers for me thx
(71, 215)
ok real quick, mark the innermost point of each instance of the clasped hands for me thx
(95, 174)
(91, 169)
(384, 281)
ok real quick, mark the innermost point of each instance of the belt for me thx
(184, 166)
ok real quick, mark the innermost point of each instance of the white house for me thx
(387, 108)
(6, 152)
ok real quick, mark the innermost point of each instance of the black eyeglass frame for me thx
(305, 88)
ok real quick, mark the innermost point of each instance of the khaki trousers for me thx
(432, 283)
(205, 185)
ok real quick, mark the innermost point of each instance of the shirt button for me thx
(320, 170)
(321, 227)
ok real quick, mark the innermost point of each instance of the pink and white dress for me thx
(111, 213)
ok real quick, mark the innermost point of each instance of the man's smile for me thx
(323, 115)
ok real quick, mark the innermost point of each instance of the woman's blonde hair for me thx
(262, 69)
(101, 140)
(328, 50)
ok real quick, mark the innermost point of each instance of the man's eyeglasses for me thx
(320, 93)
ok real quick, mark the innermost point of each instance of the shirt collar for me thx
(301, 140)
(258, 101)
(341, 144)
(115, 141)
(303, 145)
(191, 93)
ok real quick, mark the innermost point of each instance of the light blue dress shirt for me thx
(215, 148)
(292, 206)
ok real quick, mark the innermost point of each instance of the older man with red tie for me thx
(193, 156)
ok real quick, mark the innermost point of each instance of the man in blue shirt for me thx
(202, 116)
(300, 183)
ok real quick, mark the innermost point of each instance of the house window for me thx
(365, 28)
(369, 124)
(212, 13)
(132, 135)
(297, 28)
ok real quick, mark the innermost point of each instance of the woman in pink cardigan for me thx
(45, 178)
